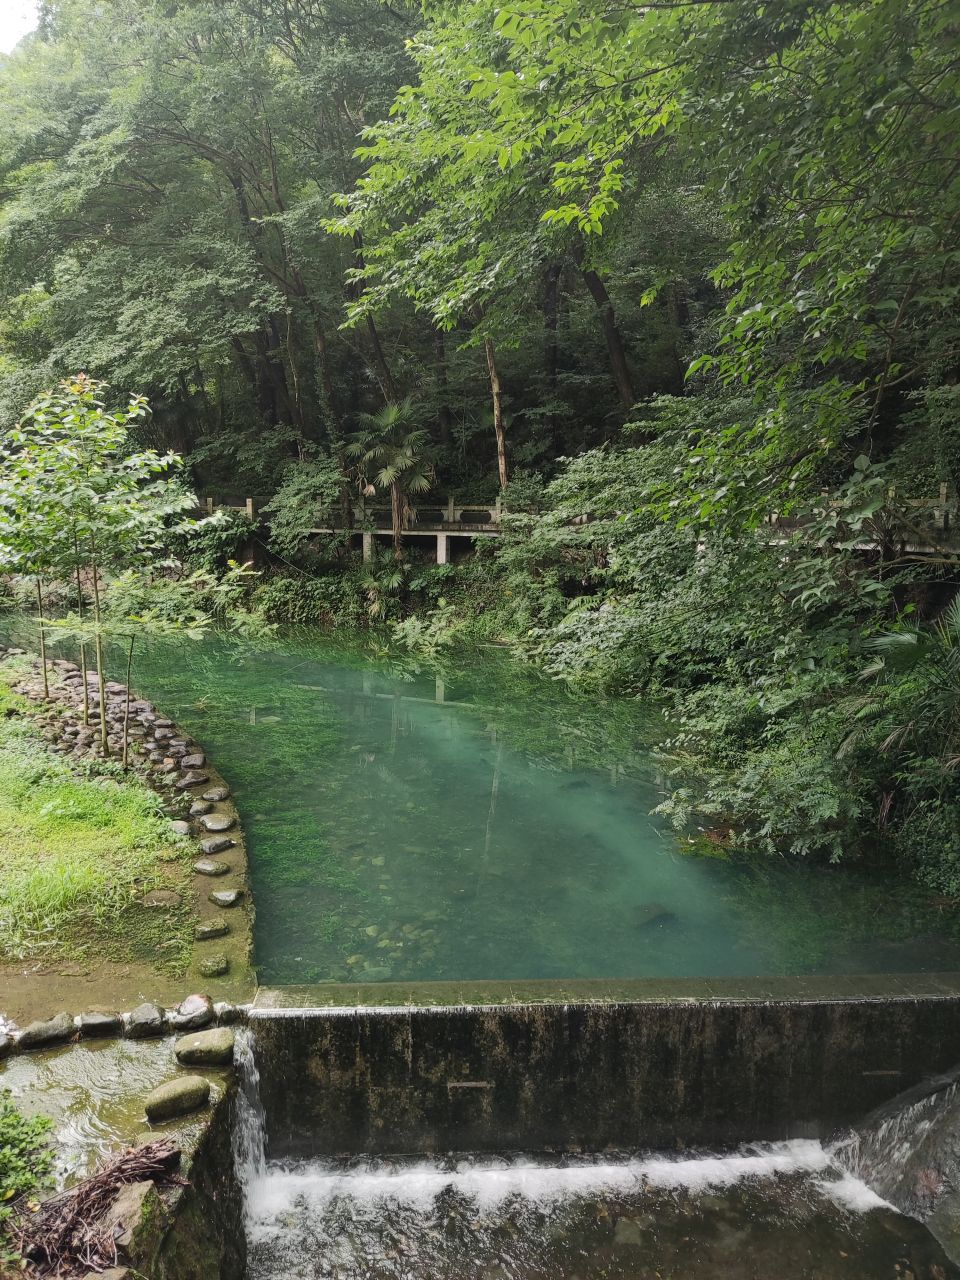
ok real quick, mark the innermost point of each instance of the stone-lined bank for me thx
(203, 816)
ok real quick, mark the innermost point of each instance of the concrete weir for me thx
(589, 1065)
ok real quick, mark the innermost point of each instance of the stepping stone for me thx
(199, 808)
(192, 779)
(100, 1025)
(207, 932)
(39, 1034)
(218, 793)
(177, 1097)
(196, 761)
(206, 1048)
(217, 821)
(190, 1014)
(181, 828)
(214, 966)
(226, 897)
(210, 867)
(216, 844)
(146, 1021)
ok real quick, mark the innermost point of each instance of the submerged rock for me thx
(177, 1097)
(206, 1048)
(216, 844)
(217, 821)
(214, 966)
(226, 897)
(207, 932)
(6, 1047)
(93, 1024)
(210, 867)
(227, 1014)
(39, 1034)
(651, 912)
(194, 1012)
(375, 975)
(146, 1021)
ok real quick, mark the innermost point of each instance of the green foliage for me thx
(310, 492)
(210, 545)
(25, 1163)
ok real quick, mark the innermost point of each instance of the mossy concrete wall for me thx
(640, 1072)
(196, 1232)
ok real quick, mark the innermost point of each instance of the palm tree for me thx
(389, 443)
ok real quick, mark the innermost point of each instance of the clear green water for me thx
(479, 822)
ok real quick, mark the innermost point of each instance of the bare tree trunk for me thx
(550, 312)
(386, 377)
(440, 369)
(608, 322)
(399, 514)
(497, 404)
(346, 506)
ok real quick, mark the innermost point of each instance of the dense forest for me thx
(676, 283)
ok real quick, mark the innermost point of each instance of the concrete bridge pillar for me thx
(443, 548)
(367, 547)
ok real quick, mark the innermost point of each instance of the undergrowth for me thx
(25, 1164)
(75, 851)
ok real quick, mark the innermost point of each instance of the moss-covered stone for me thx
(206, 1048)
(177, 1097)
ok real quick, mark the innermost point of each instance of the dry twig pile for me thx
(67, 1236)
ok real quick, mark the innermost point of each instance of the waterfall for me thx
(249, 1130)
(908, 1152)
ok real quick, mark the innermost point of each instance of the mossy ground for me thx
(80, 844)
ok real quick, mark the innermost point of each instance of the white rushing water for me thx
(529, 1218)
(770, 1211)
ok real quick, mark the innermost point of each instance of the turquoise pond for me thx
(477, 821)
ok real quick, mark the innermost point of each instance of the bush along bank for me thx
(142, 869)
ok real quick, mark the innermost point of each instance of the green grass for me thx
(75, 851)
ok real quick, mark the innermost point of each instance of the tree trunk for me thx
(608, 322)
(388, 386)
(399, 513)
(550, 314)
(346, 506)
(497, 404)
(444, 417)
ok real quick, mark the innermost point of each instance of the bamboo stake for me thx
(126, 705)
(104, 744)
(43, 641)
